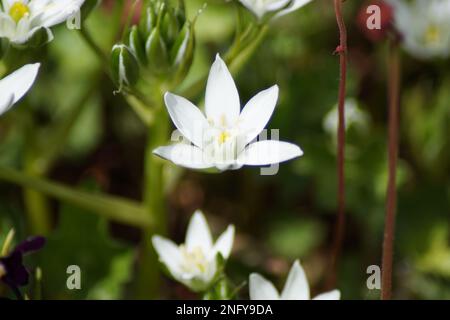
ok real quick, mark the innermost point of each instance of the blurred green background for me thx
(278, 218)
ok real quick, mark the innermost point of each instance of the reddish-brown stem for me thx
(340, 223)
(391, 195)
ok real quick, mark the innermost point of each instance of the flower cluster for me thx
(160, 47)
(223, 139)
(424, 26)
(296, 287)
(199, 264)
(28, 22)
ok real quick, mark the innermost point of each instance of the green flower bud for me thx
(149, 21)
(182, 53)
(137, 45)
(125, 68)
(180, 13)
(169, 27)
(156, 50)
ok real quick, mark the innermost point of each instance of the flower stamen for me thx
(19, 10)
(194, 259)
(223, 137)
(432, 34)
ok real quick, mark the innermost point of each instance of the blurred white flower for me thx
(425, 27)
(198, 262)
(279, 7)
(354, 116)
(296, 287)
(14, 86)
(223, 138)
(20, 20)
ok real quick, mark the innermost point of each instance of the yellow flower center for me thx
(223, 137)
(433, 34)
(194, 260)
(18, 10)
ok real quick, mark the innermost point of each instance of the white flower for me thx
(425, 27)
(280, 7)
(14, 86)
(223, 138)
(296, 287)
(354, 116)
(22, 19)
(198, 261)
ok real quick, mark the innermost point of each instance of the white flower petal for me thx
(296, 287)
(224, 243)
(168, 253)
(297, 4)
(262, 289)
(198, 234)
(257, 112)
(331, 295)
(269, 152)
(14, 86)
(187, 118)
(5, 103)
(184, 155)
(273, 5)
(58, 11)
(222, 98)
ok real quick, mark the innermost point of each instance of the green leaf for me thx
(82, 239)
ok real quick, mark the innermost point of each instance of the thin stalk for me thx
(38, 162)
(340, 223)
(238, 61)
(114, 208)
(148, 275)
(391, 196)
(36, 204)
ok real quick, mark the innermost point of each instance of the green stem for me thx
(114, 208)
(36, 205)
(242, 58)
(147, 281)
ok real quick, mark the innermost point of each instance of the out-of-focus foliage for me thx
(278, 218)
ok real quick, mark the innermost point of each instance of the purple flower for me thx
(12, 271)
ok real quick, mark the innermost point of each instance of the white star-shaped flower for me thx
(296, 287)
(279, 7)
(425, 27)
(198, 261)
(20, 20)
(223, 139)
(14, 86)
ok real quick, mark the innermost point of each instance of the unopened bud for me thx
(156, 51)
(169, 27)
(182, 52)
(125, 68)
(148, 22)
(137, 45)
